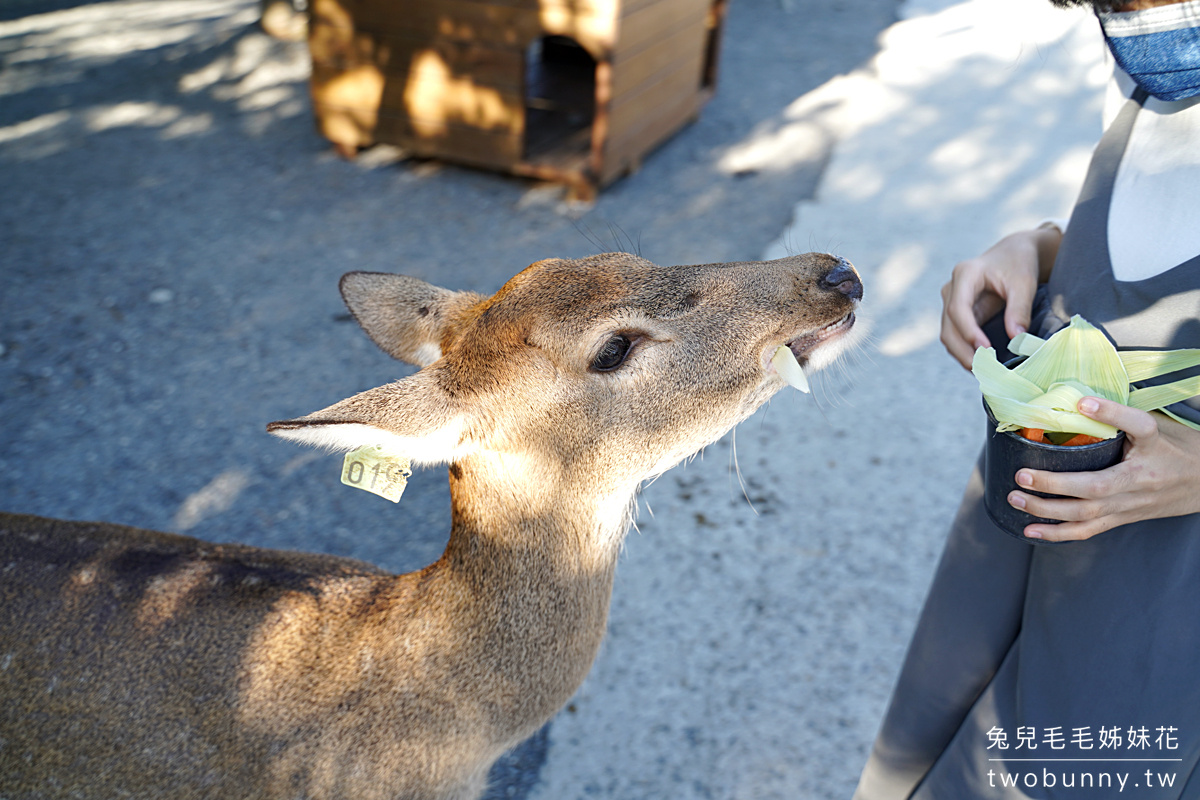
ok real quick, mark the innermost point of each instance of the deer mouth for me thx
(803, 346)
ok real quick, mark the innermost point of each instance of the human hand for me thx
(1006, 276)
(1159, 476)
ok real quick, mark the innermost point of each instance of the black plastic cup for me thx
(1007, 452)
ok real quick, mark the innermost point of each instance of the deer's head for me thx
(609, 365)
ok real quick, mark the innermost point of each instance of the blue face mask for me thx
(1158, 47)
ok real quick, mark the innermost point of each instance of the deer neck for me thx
(542, 517)
(535, 554)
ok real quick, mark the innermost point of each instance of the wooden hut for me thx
(576, 91)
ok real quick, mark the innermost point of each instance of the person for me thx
(1067, 664)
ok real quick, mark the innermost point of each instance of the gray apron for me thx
(1068, 671)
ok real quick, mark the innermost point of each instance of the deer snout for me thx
(843, 278)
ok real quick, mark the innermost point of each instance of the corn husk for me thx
(1025, 344)
(1144, 364)
(997, 380)
(1016, 402)
(1155, 397)
(1077, 361)
(1139, 364)
(789, 368)
(1081, 353)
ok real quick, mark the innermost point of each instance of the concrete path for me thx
(172, 230)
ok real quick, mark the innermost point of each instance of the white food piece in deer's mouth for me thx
(789, 368)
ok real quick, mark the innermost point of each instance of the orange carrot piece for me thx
(1081, 438)
(1034, 434)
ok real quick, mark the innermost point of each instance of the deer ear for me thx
(414, 418)
(408, 318)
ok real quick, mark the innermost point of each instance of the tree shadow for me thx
(173, 70)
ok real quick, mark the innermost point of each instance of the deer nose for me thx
(844, 279)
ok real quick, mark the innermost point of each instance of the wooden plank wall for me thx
(445, 78)
(657, 76)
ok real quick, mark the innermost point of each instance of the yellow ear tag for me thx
(371, 469)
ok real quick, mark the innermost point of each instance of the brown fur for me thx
(150, 665)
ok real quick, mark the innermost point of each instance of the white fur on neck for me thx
(427, 353)
(614, 512)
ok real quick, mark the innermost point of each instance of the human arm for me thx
(1159, 476)
(1005, 276)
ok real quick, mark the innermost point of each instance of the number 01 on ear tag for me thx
(373, 470)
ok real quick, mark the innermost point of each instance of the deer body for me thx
(144, 664)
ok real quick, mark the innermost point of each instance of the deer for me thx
(153, 665)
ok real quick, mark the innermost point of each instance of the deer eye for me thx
(613, 354)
